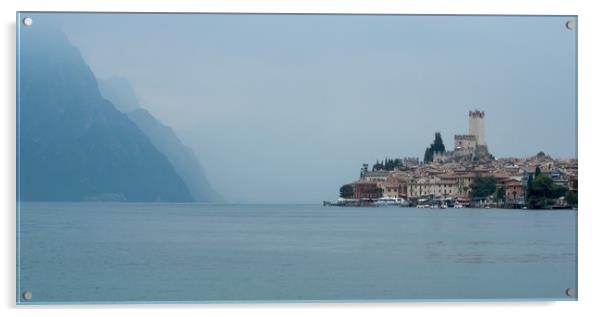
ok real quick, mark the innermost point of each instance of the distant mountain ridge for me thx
(73, 144)
(119, 90)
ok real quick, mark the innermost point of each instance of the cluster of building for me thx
(450, 176)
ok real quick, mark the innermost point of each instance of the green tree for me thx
(428, 155)
(387, 164)
(346, 191)
(571, 198)
(483, 187)
(537, 171)
(391, 164)
(543, 192)
(436, 147)
(529, 185)
(500, 194)
(377, 166)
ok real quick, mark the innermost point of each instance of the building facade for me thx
(433, 187)
(466, 142)
(365, 189)
(515, 191)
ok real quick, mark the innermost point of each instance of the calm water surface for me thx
(99, 252)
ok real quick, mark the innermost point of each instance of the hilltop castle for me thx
(471, 146)
(476, 125)
(450, 176)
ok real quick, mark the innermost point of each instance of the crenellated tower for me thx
(476, 125)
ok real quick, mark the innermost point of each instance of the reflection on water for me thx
(194, 252)
(481, 251)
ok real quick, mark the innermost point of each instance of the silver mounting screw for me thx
(570, 292)
(570, 24)
(27, 295)
(27, 21)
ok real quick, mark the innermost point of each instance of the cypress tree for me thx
(529, 187)
(436, 147)
(428, 155)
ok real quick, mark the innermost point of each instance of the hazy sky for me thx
(288, 107)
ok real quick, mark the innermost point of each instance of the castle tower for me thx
(476, 125)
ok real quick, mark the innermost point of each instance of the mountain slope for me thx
(73, 144)
(182, 157)
(119, 91)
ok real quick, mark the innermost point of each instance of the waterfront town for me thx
(466, 176)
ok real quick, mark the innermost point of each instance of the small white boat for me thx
(390, 202)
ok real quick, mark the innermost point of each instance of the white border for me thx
(590, 85)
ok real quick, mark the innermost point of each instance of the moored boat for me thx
(390, 202)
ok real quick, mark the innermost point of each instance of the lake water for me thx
(118, 252)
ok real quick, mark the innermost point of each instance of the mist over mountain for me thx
(73, 144)
(182, 157)
(119, 91)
